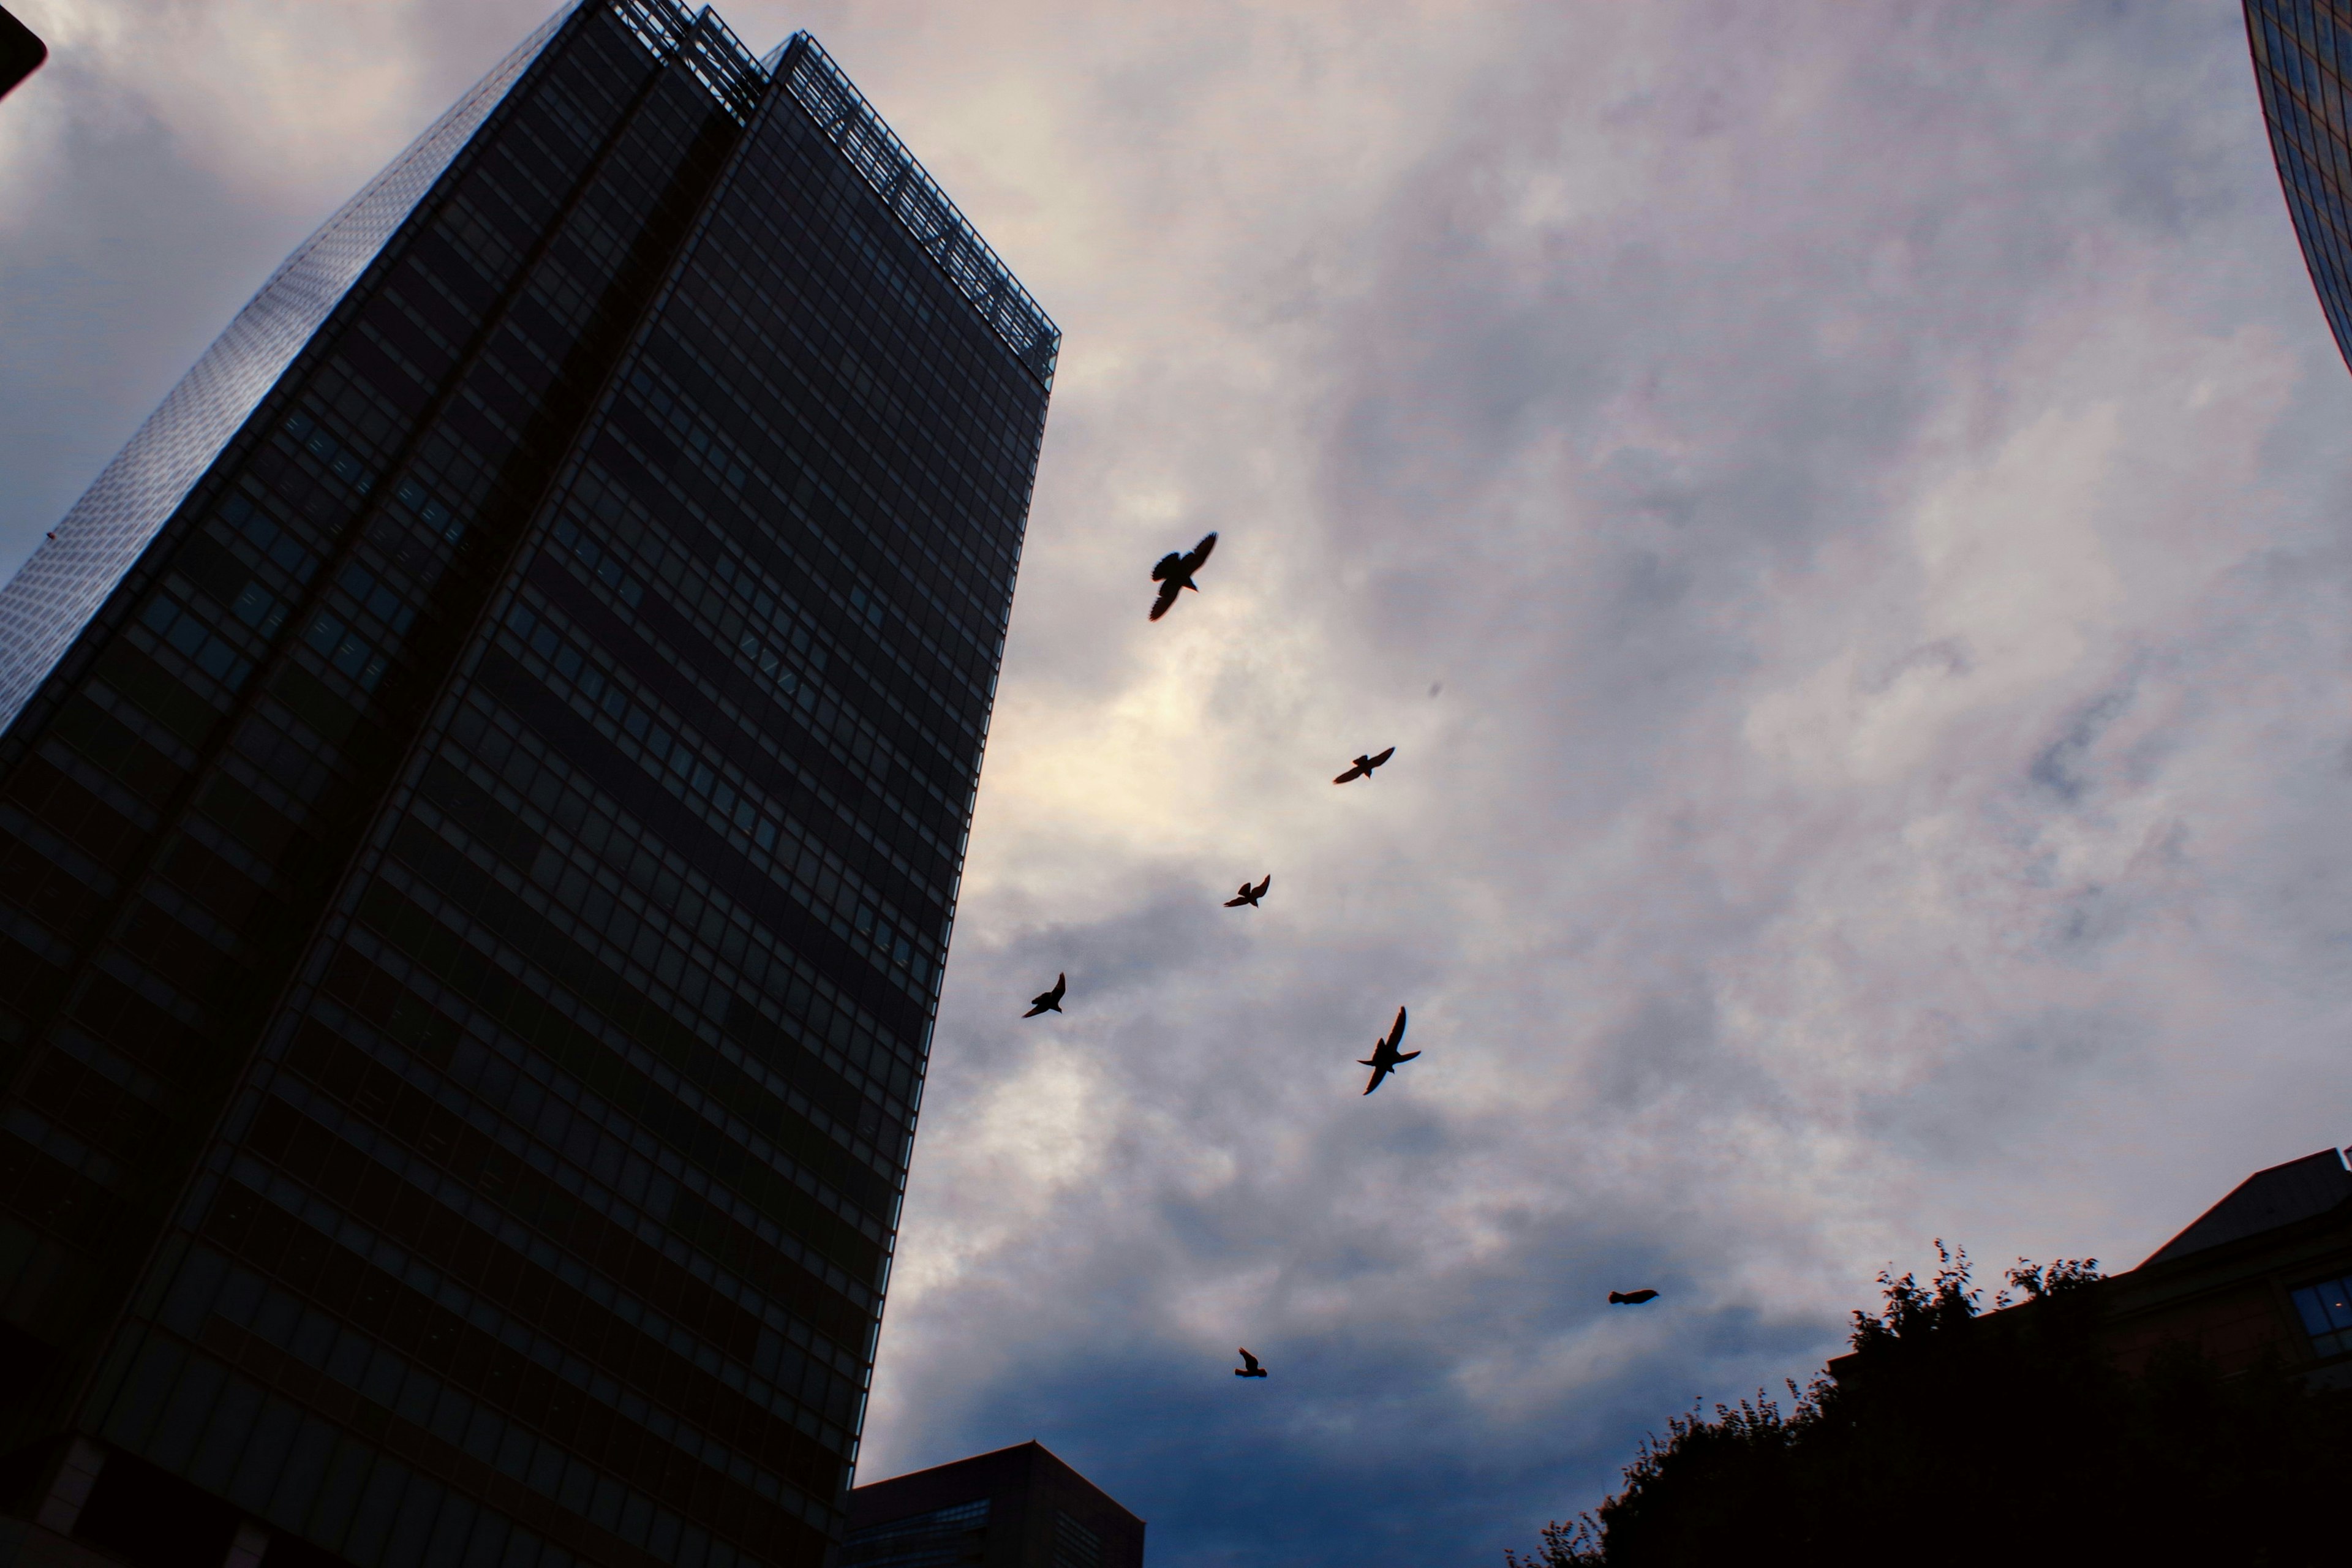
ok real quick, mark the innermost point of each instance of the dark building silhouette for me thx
(2265, 1271)
(485, 780)
(2303, 61)
(21, 51)
(1016, 1508)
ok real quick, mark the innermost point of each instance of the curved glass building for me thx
(484, 783)
(2303, 62)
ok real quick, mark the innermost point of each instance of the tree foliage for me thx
(1951, 1438)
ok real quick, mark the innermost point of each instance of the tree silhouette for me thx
(1952, 1436)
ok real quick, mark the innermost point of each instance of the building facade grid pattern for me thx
(507, 849)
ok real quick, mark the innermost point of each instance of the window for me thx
(1075, 1546)
(2326, 1309)
(941, 1539)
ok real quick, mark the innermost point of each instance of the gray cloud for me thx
(1870, 483)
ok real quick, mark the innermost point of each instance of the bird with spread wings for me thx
(1174, 573)
(1250, 895)
(1249, 1367)
(1364, 766)
(1049, 1001)
(1384, 1058)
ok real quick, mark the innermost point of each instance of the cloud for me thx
(1869, 485)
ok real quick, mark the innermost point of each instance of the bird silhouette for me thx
(1174, 573)
(1631, 1298)
(1049, 1001)
(1384, 1059)
(1249, 1367)
(1250, 895)
(1364, 766)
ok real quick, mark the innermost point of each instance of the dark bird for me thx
(1049, 1001)
(1250, 895)
(1364, 766)
(1384, 1059)
(1249, 1367)
(1631, 1298)
(1174, 573)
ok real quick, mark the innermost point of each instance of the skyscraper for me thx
(2303, 61)
(485, 781)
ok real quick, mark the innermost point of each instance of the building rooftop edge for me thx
(2273, 1197)
(916, 200)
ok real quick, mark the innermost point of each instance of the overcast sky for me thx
(1842, 511)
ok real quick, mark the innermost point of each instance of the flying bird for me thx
(1384, 1059)
(1364, 766)
(1249, 1367)
(1049, 1001)
(1631, 1298)
(1174, 573)
(1250, 895)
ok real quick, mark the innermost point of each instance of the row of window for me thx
(726, 448)
(614, 982)
(483, 1270)
(934, 519)
(742, 519)
(544, 1059)
(559, 804)
(753, 283)
(449, 895)
(589, 1191)
(729, 596)
(567, 1280)
(771, 1150)
(302, 1474)
(812, 187)
(943, 1538)
(792, 1098)
(844, 777)
(783, 849)
(796, 397)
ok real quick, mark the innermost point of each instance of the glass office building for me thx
(486, 776)
(2303, 62)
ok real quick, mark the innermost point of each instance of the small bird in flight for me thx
(1384, 1059)
(1364, 766)
(1249, 1367)
(1049, 1001)
(1631, 1298)
(1250, 895)
(1174, 573)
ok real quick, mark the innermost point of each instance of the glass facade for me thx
(2303, 60)
(484, 800)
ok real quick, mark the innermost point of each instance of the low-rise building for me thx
(1015, 1507)
(2265, 1271)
